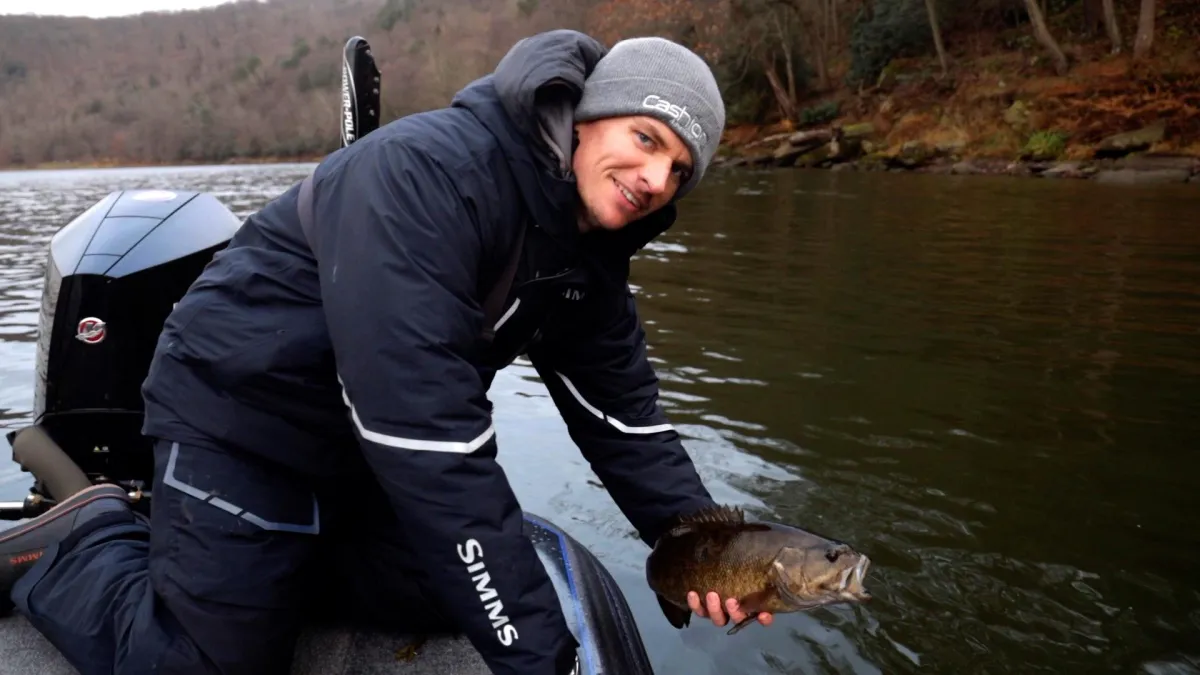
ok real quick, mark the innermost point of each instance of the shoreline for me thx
(1128, 158)
(1136, 170)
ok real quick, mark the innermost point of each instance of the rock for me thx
(1018, 169)
(811, 139)
(950, 148)
(1135, 177)
(1017, 116)
(773, 138)
(1132, 141)
(858, 130)
(1159, 162)
(815, 158)
(845, 149)
(872, 162)
(981, 166)
(967, 168)
(914, 154)
(936, 169)
(786, 154)
(846, 166)
(1066, 170)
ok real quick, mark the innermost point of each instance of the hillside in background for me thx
(252, 80)
(243, 80)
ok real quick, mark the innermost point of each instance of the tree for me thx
(937, 34)
(1110, 23)
(1144, 44)
(1042, 33)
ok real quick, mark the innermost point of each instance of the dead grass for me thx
(911, 126)
(741, 134)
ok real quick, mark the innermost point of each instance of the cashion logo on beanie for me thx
(663, 79)
(680, 117)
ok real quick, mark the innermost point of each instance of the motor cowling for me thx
(113, 275)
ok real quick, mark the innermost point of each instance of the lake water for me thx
(990, 385)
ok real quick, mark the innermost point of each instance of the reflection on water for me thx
(987, 385)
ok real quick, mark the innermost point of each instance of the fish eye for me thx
(832, 554)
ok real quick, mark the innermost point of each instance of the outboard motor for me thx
(112, 276)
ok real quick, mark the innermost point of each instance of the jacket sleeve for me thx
(597, 371)
(398, 250)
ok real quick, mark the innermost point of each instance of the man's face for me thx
(626, 168)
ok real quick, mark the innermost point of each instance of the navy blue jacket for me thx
(373, 336)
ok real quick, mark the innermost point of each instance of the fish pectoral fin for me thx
(676, 616)
(743, 623)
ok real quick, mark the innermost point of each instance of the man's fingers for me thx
(711, 608)
(736, 615)
(714, 609)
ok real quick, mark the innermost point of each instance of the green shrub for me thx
(820, 114)
(897, 28)
(1045, 145)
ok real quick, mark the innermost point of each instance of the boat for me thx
(595, 609)
(113, 274)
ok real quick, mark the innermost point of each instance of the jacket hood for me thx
(528, 104)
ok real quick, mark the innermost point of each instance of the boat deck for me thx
(23, 651)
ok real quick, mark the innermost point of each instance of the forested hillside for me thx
(260, 80)
(240, 80)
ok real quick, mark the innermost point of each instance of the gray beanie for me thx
(661, 79)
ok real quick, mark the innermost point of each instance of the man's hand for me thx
(712, 609)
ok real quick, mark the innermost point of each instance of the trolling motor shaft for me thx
(34, 505)
(37, 453)
(57, 476)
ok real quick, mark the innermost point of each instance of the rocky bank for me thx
(1121, 158)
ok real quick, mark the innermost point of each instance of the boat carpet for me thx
(324, 651)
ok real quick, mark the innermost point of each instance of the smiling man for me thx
(639, 146)
(327, 377)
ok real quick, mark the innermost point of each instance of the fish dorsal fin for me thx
(719, 514)
(709, 518)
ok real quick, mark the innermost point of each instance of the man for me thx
(319, 396)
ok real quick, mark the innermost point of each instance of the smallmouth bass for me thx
(767, 567)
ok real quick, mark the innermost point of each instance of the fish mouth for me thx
(851, 586)
(845, 580)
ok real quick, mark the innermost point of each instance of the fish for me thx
(766, 566)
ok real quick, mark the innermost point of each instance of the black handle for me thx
(360, 90)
